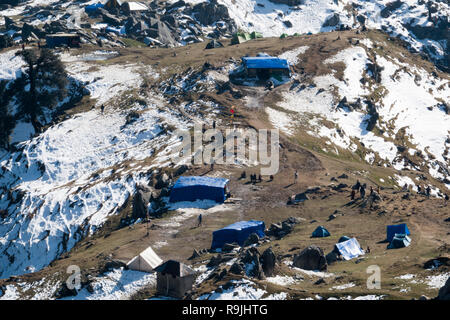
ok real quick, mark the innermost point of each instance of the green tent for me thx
(297, 34)
(240, 37)
(284, 35)
(256, 35)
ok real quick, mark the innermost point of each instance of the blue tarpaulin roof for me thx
(237, 232)
(265, 63)
(199, 188)
(398, 228)
(93, 7)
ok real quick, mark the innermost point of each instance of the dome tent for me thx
(320, 232)
(398, 228)
(400, 240)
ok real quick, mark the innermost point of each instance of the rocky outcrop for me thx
(444, 292)
(332, 21)
(311, 258)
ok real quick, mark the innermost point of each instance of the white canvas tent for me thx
(146, 261)
(349, 249)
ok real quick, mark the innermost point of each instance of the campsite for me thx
(96, 186)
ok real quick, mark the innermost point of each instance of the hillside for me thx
(359, 106)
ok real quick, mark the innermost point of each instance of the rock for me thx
(289, 2)
(209, 12)
(268, 261)
(214, 261)
(332, 21)
(64, 291)
(195, 254)
(444, 292)
(252, 239)
(343, 176)
(237, 268)
(109, 18)
(331, 217)
(320, 281)
(287, 23)
(390, 7)
(139, 205)
(423, 297)
(114, 264)
(311, 258)
(228, 247)
(332, 257)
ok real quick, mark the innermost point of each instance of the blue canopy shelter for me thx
(398, 228)
(92, 8)
(265, 66)
(320, 232)
(237, 232)
(199, 188)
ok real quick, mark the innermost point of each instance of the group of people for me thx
(361, 188)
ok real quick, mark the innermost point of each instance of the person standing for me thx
(199, 220)
(428, 191)
(362, 191)
(102, 108)
(295, 176)
(352, 194)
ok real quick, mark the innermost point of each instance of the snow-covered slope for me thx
(407, 19)
(411, 103)
(63, 184)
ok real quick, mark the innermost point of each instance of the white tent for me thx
(349, 249)
(146, 261)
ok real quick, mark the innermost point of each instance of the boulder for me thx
(228, 247)
(444, 292)
(252, 239)
(209, 12)
(237, 268)
(332, 21)
(268, 261)
(311, 258)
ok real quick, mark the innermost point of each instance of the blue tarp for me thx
(93, 7)
(349, 249)
(320, 232)
(398, 228)
(237, 232)
(265, 63)
(199, 188)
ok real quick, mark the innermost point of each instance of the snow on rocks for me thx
(65, 183)
(241, 290)
(118, 284)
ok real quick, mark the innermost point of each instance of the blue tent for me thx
(265, 63)
(400, 240)
(92, 8)
(199, 188)
(320, 232)
(398, 228)
(237, 232)
(343, 238)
